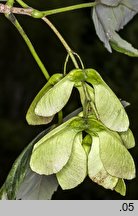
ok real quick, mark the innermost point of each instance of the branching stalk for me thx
(70, 8)
(60, 117)
(26, 10)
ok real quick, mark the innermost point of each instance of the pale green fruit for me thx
(54, 99)
(53, 151)
(31, 117)
(96, 170)
(121, 187)
(115, 157)
(128, 139)
(110, 110)
(75, 171)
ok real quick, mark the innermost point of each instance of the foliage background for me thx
(21, 79)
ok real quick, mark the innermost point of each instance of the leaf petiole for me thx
(69, 8)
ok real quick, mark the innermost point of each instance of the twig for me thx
(15, 10)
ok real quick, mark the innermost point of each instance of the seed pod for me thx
(110, 110)
(75, 171)
(31, 117)
(53, 151)
(96, 170)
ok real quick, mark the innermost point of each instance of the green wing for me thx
(75, 171)
(110, 110)
(55, 99)
(96, 170)
(128, 139)
(31, 117)
(52, 152)
(115, 157)
(121, 187)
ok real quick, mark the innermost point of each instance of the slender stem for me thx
(23, 4)
(70, 52)
(90, 102)
(60, 117)
(85, 110)
(79, 58)
(15, 22)
(27, 10)
(65, 64)
(70, 8)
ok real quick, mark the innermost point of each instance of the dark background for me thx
(21, 79)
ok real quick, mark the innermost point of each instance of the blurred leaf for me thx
(3, 193)
(115, 157)
(72, 114)
(111, 16)
(75, 171)
(111, 111)
(18, 170)
(96, 170)
(52, 152)
(121, 187)
(110, 2)
(125, 103)
(122, 46)
(133, 4)
(37, 187)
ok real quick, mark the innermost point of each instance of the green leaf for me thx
(96, 170)
(121, 187)
(75, 171)
(111, 16)
(111, 111)
(52, 152)
(128, 139)
(37, 187)
(115, 157)
(55, 99)
(31, 117)
(18, 171)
